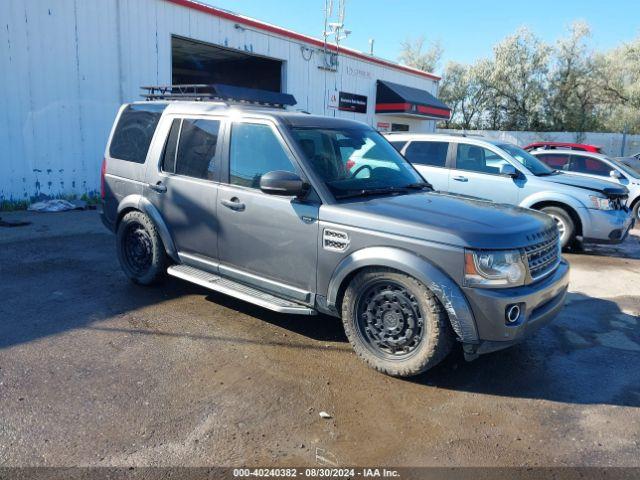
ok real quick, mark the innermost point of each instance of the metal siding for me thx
(69, 64)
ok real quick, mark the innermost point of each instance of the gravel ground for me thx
(95, 371)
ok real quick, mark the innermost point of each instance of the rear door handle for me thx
(461, 179)
(158, 187)
(233, 204)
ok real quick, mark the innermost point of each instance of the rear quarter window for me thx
(134, 132)
(427, 153)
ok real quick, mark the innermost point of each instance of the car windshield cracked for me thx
(357, 162)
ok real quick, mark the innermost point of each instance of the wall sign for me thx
(350, 102)
(332, 98)
(384, 127)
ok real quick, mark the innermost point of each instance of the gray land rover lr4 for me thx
(261, 204)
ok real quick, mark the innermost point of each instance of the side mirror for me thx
(508, 170)
(283, 183)
(615, 174)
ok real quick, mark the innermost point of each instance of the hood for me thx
(443, 218)
(609, 189)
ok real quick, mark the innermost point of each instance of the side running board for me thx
(238, 290)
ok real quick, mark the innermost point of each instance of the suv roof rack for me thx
(219, 92)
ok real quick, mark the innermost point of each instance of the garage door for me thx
(196, 62)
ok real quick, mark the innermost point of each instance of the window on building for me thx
(473, 158)
(134, 132)
(254, 151)
(427, 153)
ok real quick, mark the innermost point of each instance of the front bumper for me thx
(607, 226)
(540, 302)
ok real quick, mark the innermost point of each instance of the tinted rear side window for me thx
(398, 145)
(196, 156)
(134, 132)
(169, 154)
(427, 153)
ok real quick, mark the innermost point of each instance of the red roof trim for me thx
(409, 108)
(296, 36)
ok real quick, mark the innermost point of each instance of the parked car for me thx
(631, 162)
(583, 147)
(589, 209)
(596, 166)
(258, 204)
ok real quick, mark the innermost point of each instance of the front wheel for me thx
(140, 250)
(395, 323)
(564, 222)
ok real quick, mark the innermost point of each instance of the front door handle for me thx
(461, 179)
(233, 204)
(158, 187)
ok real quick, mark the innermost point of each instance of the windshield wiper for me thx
(419, 185)
(372, 191)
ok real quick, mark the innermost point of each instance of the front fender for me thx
(138, 202)
(445, 289)
(574, 203)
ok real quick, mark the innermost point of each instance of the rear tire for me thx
(566, 227)
(141, 252)
(636, 213)
(395, 323)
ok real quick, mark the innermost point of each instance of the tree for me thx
(573, 93)
(516, 76)
(465, 93)
(413, 54)
(618, 76)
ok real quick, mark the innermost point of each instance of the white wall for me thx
(611, 143)
(66, 66)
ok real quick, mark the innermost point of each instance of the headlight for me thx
(600, 203)
(499, 268)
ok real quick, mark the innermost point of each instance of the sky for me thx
(467, 29)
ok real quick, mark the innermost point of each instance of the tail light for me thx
(103, 171)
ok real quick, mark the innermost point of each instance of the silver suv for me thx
(588, 209)
(265, 205)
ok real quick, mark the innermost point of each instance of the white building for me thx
(66, 66)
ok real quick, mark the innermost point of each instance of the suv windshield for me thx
(535, 166)
(356, 161)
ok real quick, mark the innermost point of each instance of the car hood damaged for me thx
(609, 189)
(442, 218)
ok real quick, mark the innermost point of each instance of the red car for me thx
(569, 146)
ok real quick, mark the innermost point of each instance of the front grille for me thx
(544, 257)
(618, 203)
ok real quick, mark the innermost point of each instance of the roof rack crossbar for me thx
(218, 92)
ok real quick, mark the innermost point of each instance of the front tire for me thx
(566, 227)
(395, 323)
(141, 252)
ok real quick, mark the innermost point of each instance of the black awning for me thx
(392, 98)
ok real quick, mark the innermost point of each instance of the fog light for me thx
(512, 314)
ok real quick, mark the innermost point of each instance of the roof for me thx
(267, 27)
(569, 145)
(571, 151)
(290, 118)
(443, 137)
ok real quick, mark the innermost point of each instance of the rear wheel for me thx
(566, 227)
(140, 250)
(636, 212)
(395, 323)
